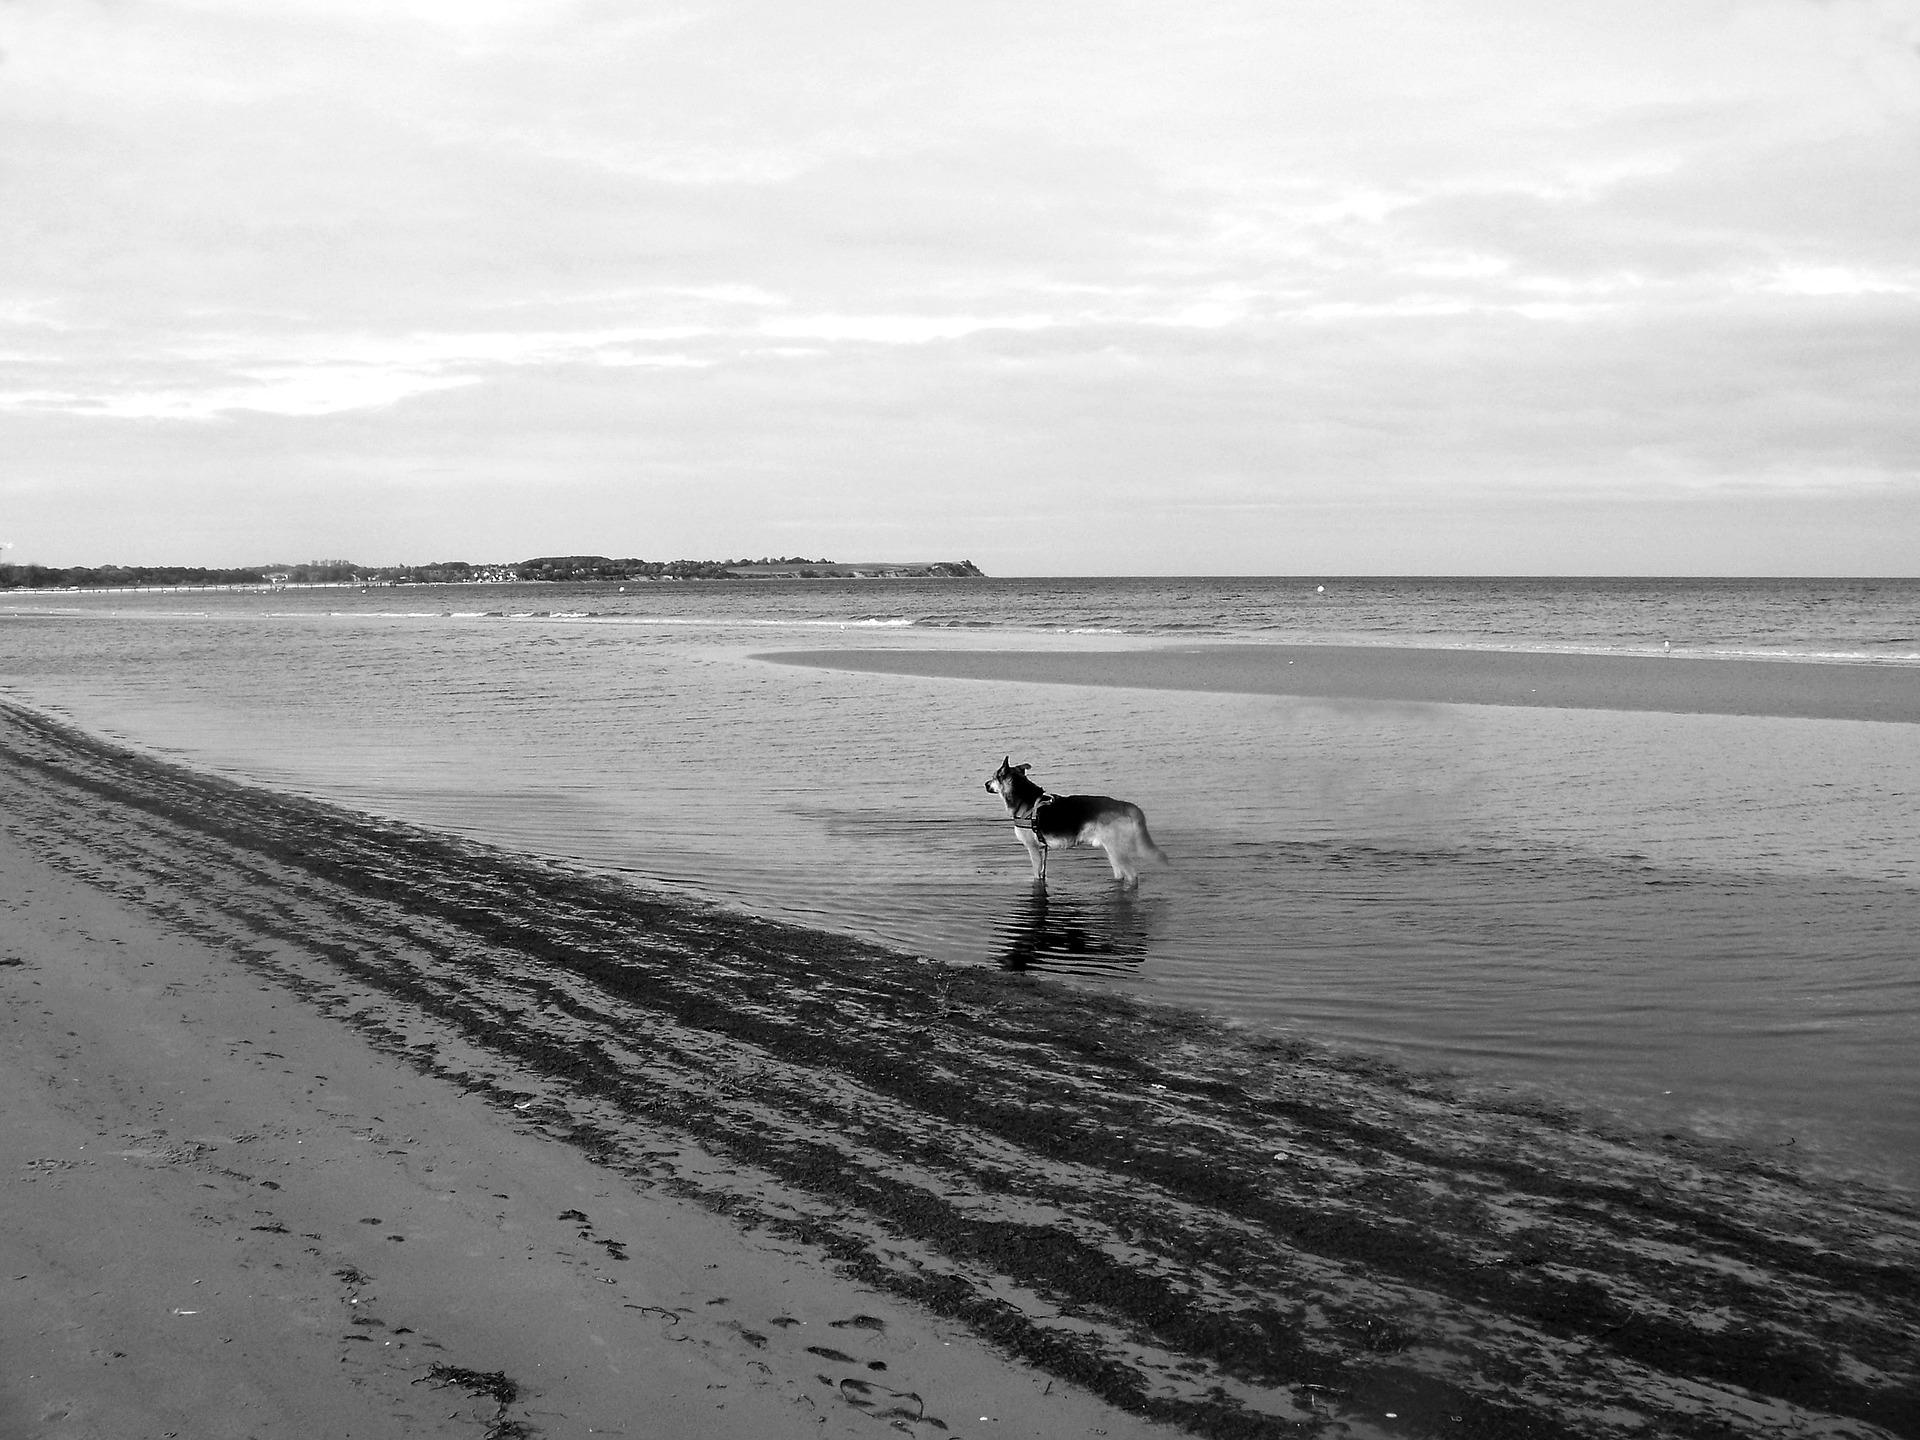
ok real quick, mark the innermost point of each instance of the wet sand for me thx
(1678, 684)
(321, 1124)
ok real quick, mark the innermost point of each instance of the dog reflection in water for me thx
(1047, 932)
(1046, 822)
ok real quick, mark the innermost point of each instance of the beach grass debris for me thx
(494, 1385)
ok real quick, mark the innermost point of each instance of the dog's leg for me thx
(1122, 859)
(1036, 853)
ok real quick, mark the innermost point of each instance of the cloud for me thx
(742, 264)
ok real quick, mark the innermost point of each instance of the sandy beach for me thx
(324, 1125)
(238, 1206)
(1681, 684)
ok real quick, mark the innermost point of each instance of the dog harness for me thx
(1025, 822)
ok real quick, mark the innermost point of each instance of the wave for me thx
(1852, 621)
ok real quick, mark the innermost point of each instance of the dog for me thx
(1046, 822)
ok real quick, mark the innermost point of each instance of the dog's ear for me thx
(1022, 769)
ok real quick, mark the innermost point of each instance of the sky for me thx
(1217, 287)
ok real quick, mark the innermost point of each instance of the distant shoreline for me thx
(875, 570)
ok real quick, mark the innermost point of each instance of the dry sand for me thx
(325, 1126)
(1678, 684)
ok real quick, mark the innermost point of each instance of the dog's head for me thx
(1006, 778)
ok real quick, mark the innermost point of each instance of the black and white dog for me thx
(1054, 822)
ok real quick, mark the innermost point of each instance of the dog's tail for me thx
(1147, 844)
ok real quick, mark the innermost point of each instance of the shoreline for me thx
(1787, 689)
(1203, 1227)
(252, 1191)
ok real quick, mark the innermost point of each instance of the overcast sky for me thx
(1281, 286)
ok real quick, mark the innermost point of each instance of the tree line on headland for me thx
(570, 568)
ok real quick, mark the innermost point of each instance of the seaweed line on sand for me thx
(494, 1385)
(1234, 1234)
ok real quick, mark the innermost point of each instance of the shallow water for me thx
(1701, 921)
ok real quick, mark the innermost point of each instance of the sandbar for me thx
(324, 1124)
(1675, 684)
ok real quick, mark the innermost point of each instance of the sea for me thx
(1698, 924)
